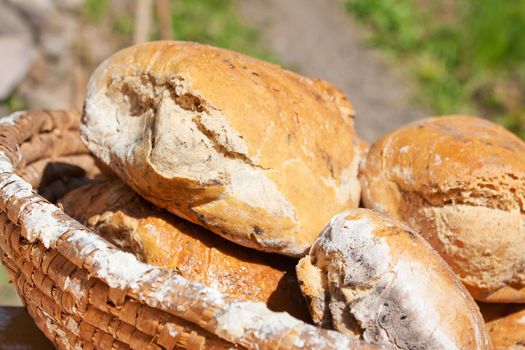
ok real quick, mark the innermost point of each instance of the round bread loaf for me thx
(118, 214)
(460, 181)
(370, 276)
(255, 153)
(506, 325)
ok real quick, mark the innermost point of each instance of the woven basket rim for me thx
(248, 324)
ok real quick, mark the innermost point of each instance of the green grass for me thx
(466, 56)
(14, 103)
(95, 10)
(215, 22)
(8, 294)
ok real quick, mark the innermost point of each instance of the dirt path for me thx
(318, 39)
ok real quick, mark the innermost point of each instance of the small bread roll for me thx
(506, 325)
(370, 276)
(254, 153)
(460, 181)
(114, 211)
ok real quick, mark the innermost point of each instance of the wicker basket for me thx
(84, 293)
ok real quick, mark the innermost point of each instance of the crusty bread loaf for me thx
(461, 182)
(370, 276)
(118, 214)
(506, 325)
(255, 153)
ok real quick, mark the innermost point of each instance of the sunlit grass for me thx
(466, 56)
(215, 22)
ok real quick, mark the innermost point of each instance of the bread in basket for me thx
(83, 292)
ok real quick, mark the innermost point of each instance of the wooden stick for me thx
(142, 21)
(164, 16)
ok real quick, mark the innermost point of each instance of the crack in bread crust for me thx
(208, 134)
(468, 256)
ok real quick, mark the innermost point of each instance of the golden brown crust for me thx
(506, 325)
(255, 153)
(158, 238)
(461, 182)
(371, 276)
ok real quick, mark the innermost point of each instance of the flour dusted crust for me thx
(118, 214)
(461, 182)
(370, 276)
(255, 153)
(506, 325)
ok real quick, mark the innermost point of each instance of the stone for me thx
(17, 50)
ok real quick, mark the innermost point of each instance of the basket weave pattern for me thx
(84, 293)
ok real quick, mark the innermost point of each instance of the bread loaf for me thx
(506, 325)
(370, 276)
(460, 181)
(114, 211)
(255, 153)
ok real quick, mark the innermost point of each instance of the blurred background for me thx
(397, 60)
